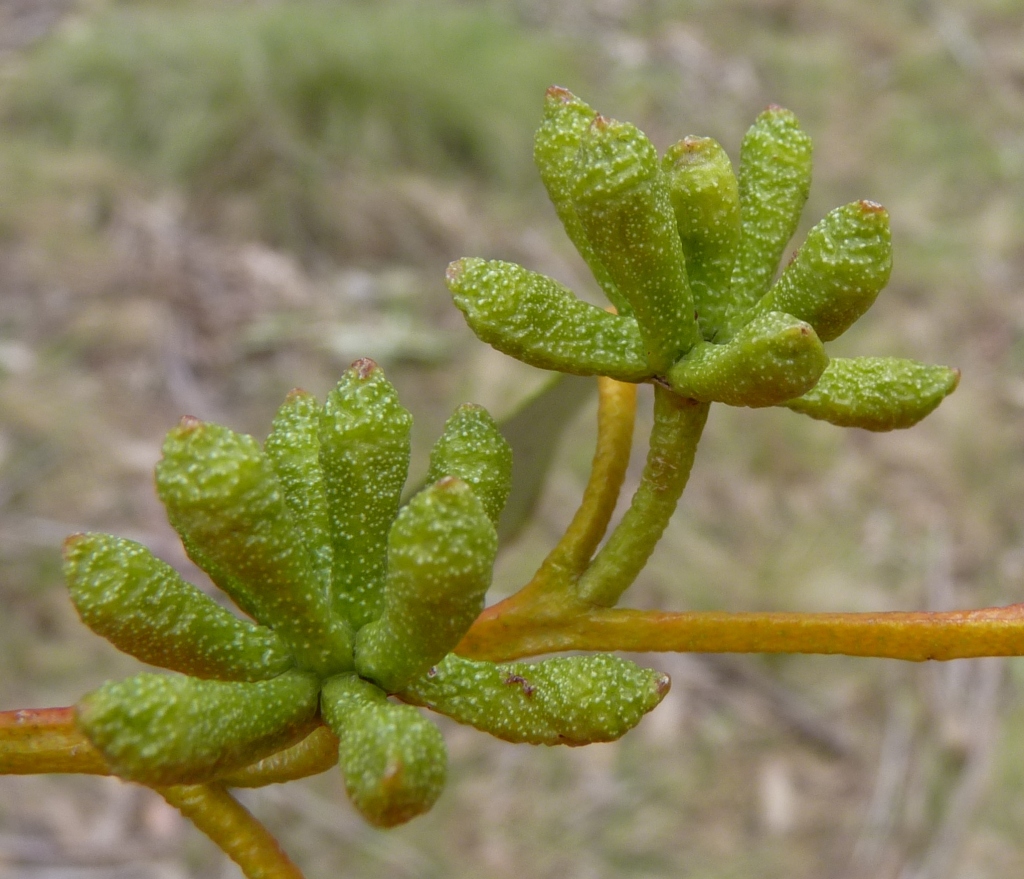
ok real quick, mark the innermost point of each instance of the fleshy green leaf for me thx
(167, 729)
(364, 451)
(622, 200)
(705, 198)
(535, 319)
(394, 760)
(555, 147)
(877, 393)
(570, 700)
(774, 180)
(143, 607)
(221, 493)
(293, 449)
(440, 553)
(838, 271)
(472, 449)
(770, 360)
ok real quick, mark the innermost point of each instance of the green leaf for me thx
(364, 451)
(774, 181)
(622, 200)
(535, 319)
(555, 148)
(164, 729)
(877, 393)
(838, 272)
(222, 495)
(570, 700)
(770, 360)
(440, 553)
(293, 449)
(143, 607)
(706, 201)
(472, 449)
(394, 760)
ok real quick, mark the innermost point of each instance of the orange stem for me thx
(553, 583)
(616, 415)
(34, 740)
(912, 636)
(233, 828)
(43, 740)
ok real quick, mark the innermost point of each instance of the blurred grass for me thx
(272, 100)
(203, 205)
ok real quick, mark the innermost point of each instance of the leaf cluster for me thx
(353, 597)
(687, 252)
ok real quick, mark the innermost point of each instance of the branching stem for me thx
(678, 424)
(616, 416)
(552, 588)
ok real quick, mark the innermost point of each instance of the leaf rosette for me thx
(687, 252)
(349, 596)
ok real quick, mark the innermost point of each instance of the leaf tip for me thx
(558, 94)
(662, 684)
(364, 367)
(71, 542)
(188, 424)
(452, 274)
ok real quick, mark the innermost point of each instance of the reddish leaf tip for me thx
(364, 366)
(70, 542)
(454, 271)
(189, 424)
(558, 93)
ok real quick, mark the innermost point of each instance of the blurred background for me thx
(205, 204)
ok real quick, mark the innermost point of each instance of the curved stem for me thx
(233, 828)
(550, 591)
(678, 424)
(912, 636)
(316, 753)
(616, 415)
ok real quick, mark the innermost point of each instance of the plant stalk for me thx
(913, 636)
(233, 829)
(678, 424)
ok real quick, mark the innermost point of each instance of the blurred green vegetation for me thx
(204, 205)
(274, 100)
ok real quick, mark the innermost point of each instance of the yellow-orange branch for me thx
(616, 415)
(41, 740)
(912, 636)
(34, 740)
(233, 828)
